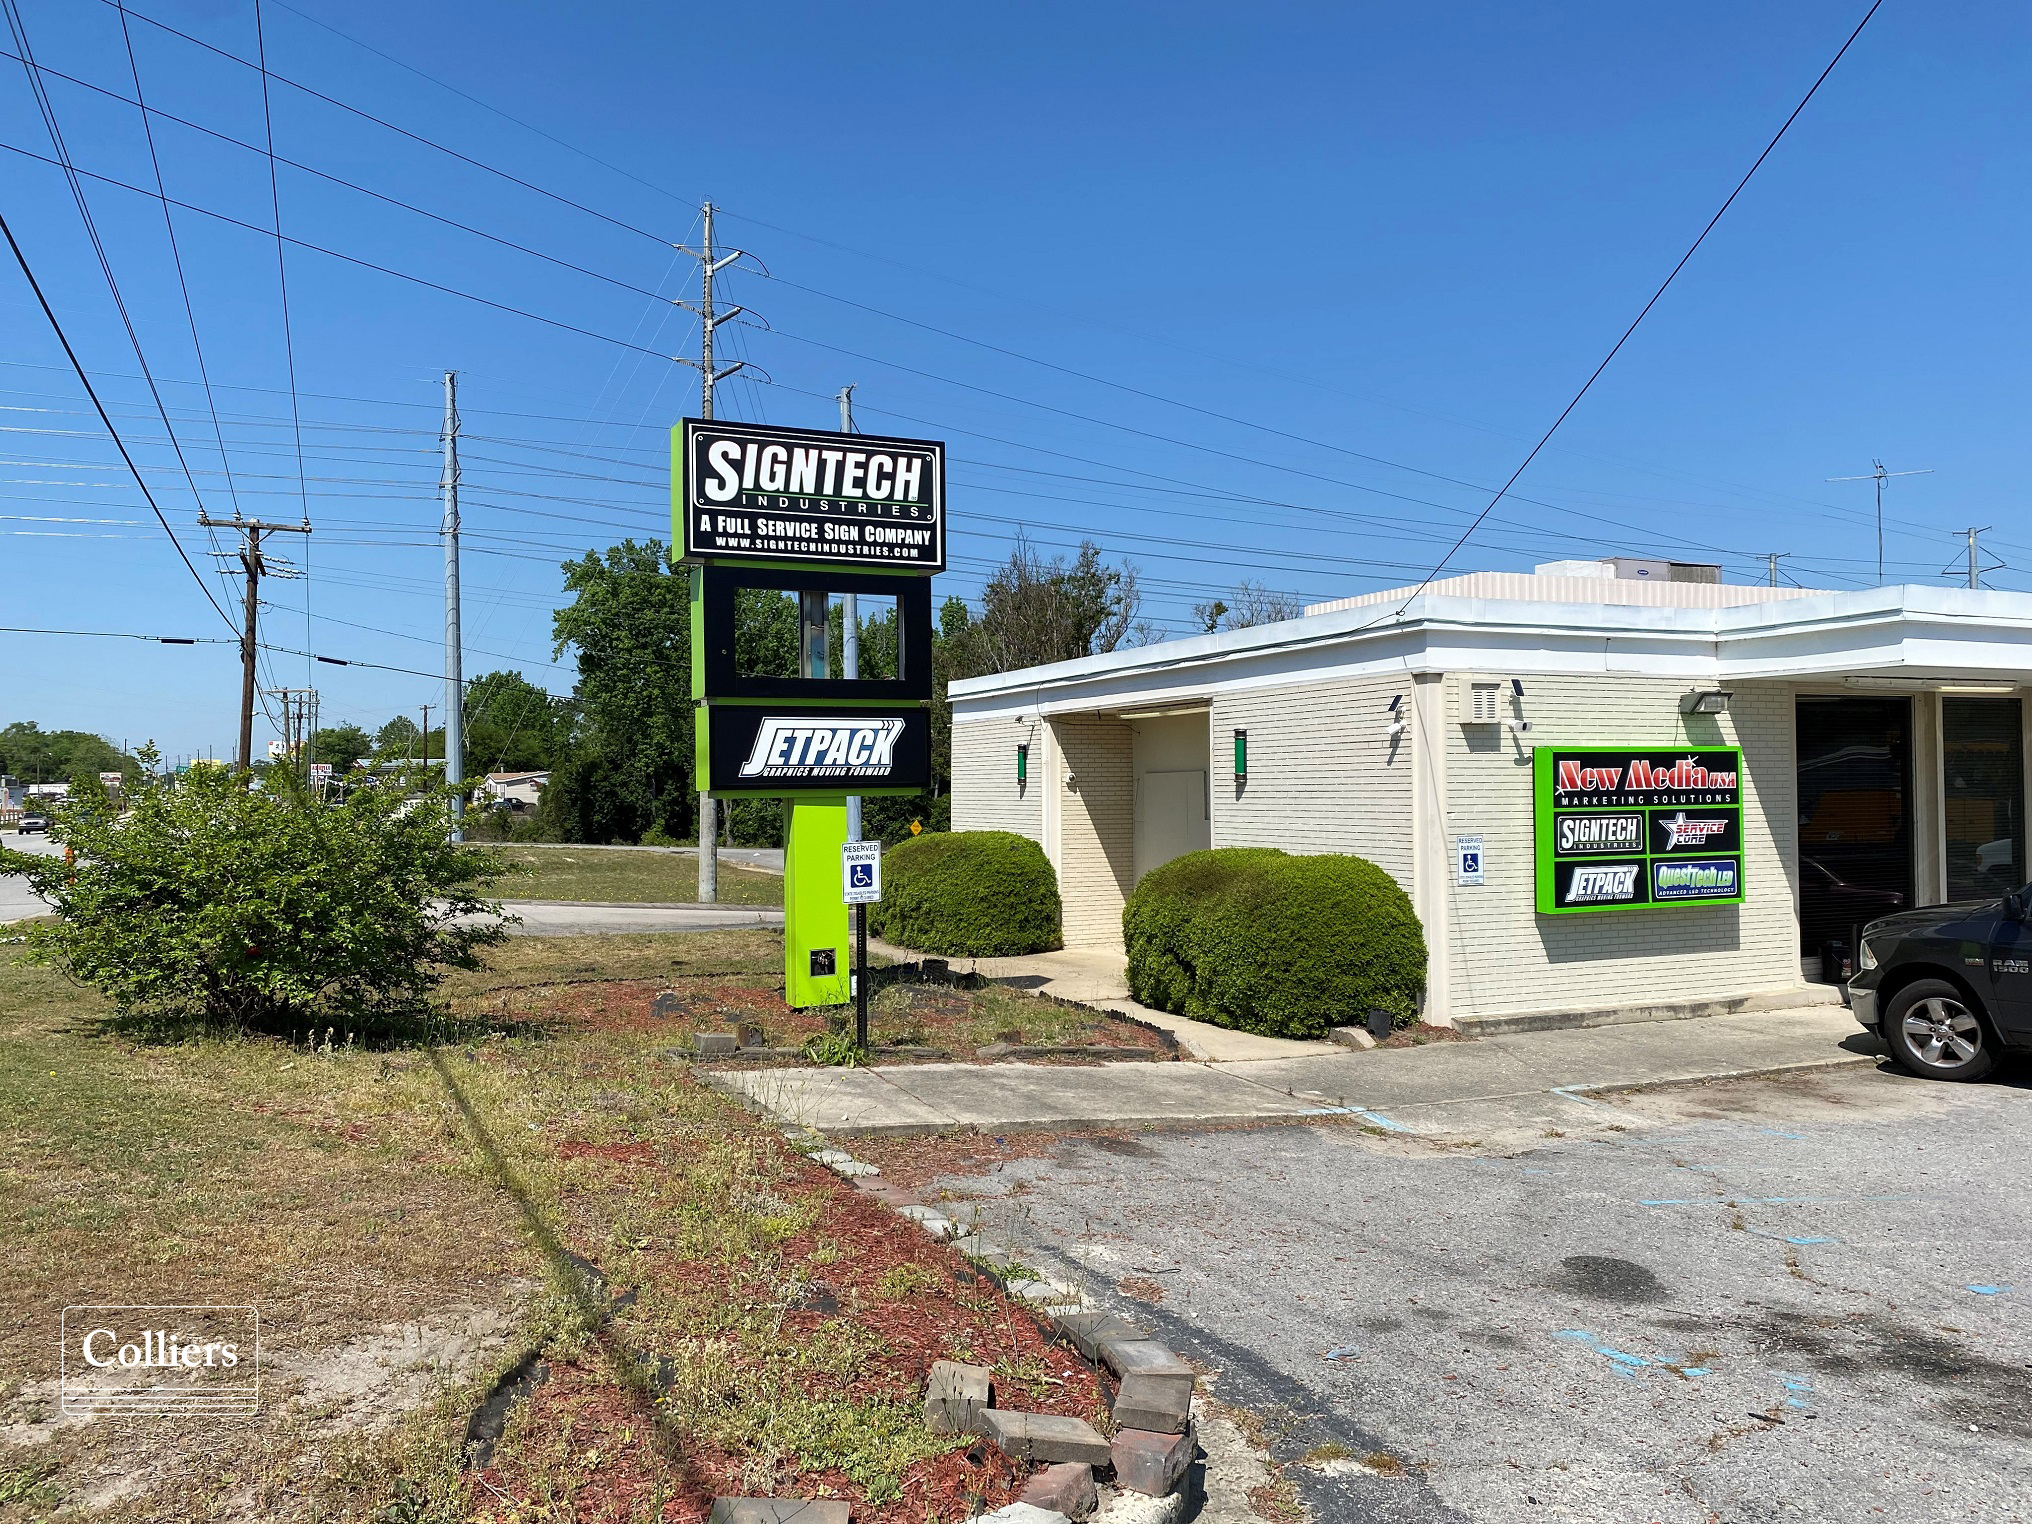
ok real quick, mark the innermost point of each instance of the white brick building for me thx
(1882, 736)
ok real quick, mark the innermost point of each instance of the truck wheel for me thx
(1933, 1032)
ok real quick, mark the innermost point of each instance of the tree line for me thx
(619, 748)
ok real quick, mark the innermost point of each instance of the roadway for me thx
(17, 901)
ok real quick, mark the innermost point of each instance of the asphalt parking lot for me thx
(1806, 1298)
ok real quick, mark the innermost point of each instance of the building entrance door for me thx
(1855, 814)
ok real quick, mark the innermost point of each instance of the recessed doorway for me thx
(1855, 814)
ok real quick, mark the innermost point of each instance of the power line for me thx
(166, 640)
(176, 255)
(118, 443)
(1617, 347)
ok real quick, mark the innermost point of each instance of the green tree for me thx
(340, 745)
(512, 725)
(35, 755)
(630, 763)
(397, 740)
(259, 907)
(1035, 611)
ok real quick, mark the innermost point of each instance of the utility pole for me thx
(710, 376)
(1774, 557)
(454, 656)
(426, 737)
(1879, 475)
(850, 624)
(252, 567)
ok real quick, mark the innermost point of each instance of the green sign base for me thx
(816, 951)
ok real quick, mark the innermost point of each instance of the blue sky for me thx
(1386, 243)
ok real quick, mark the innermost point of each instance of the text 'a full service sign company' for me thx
(1621, 828)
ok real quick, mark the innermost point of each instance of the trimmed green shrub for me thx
(968, 894)
(1261, 941)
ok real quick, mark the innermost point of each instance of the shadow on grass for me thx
(582, 1288)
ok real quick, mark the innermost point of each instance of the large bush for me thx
(1258, 940)
(263, 907)
(979, 894)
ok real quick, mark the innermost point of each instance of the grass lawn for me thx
(619, 877)
(715, 1314)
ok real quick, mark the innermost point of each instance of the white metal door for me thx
(1171, 816)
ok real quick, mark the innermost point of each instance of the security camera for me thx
(1520, 726)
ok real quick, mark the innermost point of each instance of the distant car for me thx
(34, 823)
(1948, 985)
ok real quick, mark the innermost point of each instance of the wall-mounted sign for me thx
(1467, 860)
(759, 492)
(1619, 827)
(756, 750)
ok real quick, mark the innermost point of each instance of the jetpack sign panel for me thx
(760, 750)
(1620, 828)
(753, 491)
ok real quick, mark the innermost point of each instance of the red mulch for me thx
(687, 1472)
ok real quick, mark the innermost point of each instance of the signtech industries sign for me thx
(760, 492)
(1620, 828)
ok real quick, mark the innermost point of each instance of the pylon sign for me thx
(813, 516)
(758, 492)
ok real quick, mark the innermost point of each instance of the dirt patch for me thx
(1419, 1034)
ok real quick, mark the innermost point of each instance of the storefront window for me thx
(1983, 762)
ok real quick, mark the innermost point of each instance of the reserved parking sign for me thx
(861, 872)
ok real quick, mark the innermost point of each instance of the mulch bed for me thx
(642, 1462)
(941, 1017)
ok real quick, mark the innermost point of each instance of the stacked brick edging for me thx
(1155, 1444)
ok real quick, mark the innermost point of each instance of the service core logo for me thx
(1681, 832)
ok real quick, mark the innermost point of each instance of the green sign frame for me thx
(1637, 828)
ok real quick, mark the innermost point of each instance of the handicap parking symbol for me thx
(861, 875)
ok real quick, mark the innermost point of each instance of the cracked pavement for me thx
(1800, 1298)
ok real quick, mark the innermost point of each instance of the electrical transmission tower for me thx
(711, 262)
(1975, 558)
(253, 566)
(1880, 476)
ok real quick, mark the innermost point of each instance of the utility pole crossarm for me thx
(252, 567)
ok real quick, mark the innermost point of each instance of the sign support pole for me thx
(861, 976)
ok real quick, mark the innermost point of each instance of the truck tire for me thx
(1934, 1031)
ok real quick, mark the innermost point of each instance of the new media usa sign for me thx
(1619, 828)
(760, 492)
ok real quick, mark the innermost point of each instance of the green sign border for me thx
(1544, 816)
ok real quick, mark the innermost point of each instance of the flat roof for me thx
(1907, 633)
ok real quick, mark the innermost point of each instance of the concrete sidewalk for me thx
(1522, 1079)
(1100, 978)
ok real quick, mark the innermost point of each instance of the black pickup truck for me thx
(1948, 986)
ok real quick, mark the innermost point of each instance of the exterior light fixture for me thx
(1241, 755)
(1022, 764)
(1712, 701)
